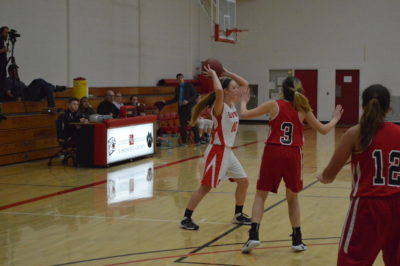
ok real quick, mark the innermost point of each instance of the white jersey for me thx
(225, 126)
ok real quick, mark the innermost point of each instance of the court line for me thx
(177, 249)
(59, 193)
(239, 225)
(210, 253)
(104, 217)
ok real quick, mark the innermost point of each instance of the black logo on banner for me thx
(111, 145)
(149, 139)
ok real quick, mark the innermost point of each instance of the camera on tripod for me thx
(13, 35)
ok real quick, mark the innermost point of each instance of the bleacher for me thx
(29, 134)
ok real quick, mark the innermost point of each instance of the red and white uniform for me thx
(373, 220)
(221, 162)
(282, 156)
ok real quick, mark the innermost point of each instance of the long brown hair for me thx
(376, 103)
(293, 92)
(207, 101)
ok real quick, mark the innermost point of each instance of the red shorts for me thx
(372, 225)
(279, 162)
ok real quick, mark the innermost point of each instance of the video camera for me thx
(13, 35)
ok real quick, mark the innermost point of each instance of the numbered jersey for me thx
(225, 126)
(376, 171)
(286, 128)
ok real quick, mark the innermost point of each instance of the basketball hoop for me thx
(235, 30)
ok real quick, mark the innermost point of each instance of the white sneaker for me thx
(299, 248)
(250, 244)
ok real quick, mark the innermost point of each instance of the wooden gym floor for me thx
(61, 215)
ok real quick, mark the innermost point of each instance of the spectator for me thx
(133, 100)
(107, 107)
(71, 115)
(85, 109)
(3, 58)
(37, 90)
(186, 97)
(118, 100)
(205, 125)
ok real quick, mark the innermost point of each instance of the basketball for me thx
(214, 64)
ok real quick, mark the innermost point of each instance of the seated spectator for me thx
(205, 124)
(118, 100)
(107, 107)
(37, 90)
(133, 100)
(85, 109)
(71, 115)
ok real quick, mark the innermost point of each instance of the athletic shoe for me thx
(297, 243)
(250, 244)
(241, 218)
(188, 224)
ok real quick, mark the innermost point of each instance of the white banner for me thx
(129, 142)
(130, 183)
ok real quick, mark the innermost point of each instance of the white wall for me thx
(42, 49)
(324, 35)
(109, 42)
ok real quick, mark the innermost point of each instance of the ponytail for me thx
(293, 92)
(376, 103)
(371, 121)
(300, 102)
(207, 101)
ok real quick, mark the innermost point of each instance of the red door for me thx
(309, 79)
(347, 94)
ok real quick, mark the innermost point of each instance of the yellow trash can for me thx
(80, 88)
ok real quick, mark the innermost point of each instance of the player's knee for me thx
(262, 194)
(291, 198)
(243, 182)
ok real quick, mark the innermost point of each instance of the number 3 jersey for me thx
(285, 128)
(225, 126)
(376, 171)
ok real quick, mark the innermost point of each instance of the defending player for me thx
(221, 162)
(282, 156)
(373, 220)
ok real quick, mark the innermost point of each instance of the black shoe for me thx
(60, 88)
(297, 243)
(188, 224)
(241, 218)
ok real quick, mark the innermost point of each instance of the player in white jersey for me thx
(221, 163)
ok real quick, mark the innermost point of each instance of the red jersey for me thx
(286, 128)
(376, 171)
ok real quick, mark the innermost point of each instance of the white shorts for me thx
(205, 124)
(221, 164)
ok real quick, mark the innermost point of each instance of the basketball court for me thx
(60, 216)
(130, 213)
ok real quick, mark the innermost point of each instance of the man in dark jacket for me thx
(186, 97)
(3, 59)
(107, 106)
(71, 115)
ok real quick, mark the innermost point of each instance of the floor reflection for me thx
(130, 183)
